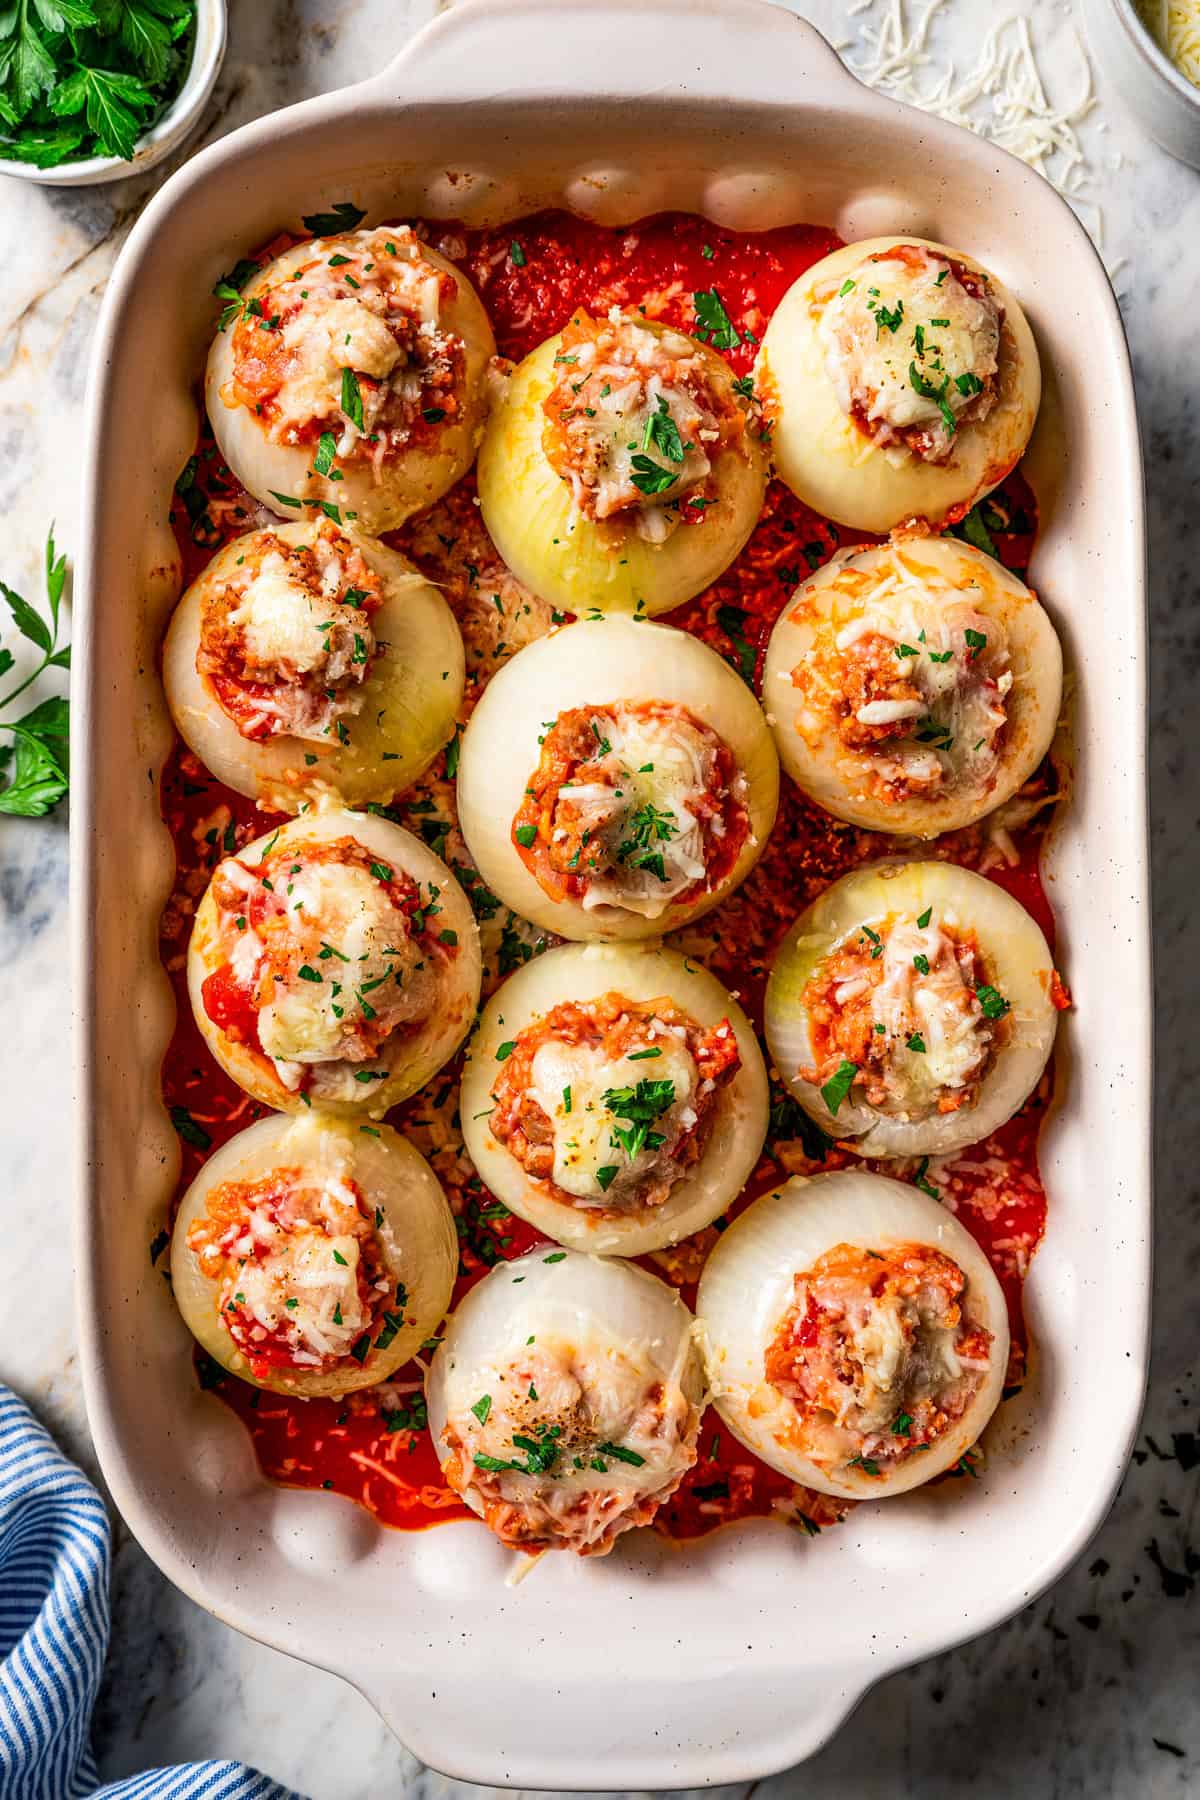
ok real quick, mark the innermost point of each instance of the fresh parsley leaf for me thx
(326, 453)
(352, 404)
(114, 103)
(343, 217)
(834, 1091)
(189, 1131)
(927, 391)
(662, 433)
(649, 477)
(732, 621)
(713, 324)
(972, 530)
(992, 1001)
(37, 759)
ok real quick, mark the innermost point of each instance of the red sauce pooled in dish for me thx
(372, 1445)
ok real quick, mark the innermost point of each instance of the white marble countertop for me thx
(1091, 1691)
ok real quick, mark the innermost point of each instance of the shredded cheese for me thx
(1002, 98)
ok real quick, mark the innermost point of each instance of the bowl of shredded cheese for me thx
(1150, 51)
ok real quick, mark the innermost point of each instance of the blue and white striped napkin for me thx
(54, 1566)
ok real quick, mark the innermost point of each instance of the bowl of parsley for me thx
(95, 90)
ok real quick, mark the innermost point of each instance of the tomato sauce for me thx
(373, 1445)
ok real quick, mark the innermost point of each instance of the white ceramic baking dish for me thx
(655, 1667)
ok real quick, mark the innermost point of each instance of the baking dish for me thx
(734, 1657)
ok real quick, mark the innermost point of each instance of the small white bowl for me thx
(167, 133)
(1163, 101)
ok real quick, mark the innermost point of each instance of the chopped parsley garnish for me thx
(992, 1001)
(606, 1176)
(642, 1055)
(526, 836)
(619, 1453)
(886, 320)
(516, 255)
(743, 387)
(927, 391)
(306, 972)
(649, 477)
(392, 1321)
(229, 289)
(639, 1106)
(662, 434)
(921, 964)
(920, 1180)
(924, 918)
(864, 1463)
(916, 1043)
(976, 641)
(381, 871)
(505, 1050)
(412, 1416)
(973, 529)
(647, 827)
(189, 1131)
(482, 1408)
(901, 1424)
(834, 1091)
(352, 404)
(848, 286)
(732, 621)
(713, 324)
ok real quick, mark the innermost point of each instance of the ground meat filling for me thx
(301, 1277)
(637, 805)
(878, 1354)
(333, 961)
(564, 1455)
(920, 706)
(350, 354)
(286, 642)
(902, 1018)
(635, 422)
(912, 344)
(611, 1102)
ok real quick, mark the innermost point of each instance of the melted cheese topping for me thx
(876, 1353)
(645, 832)
(909, 349)
(387, 330)
(632, 422)
(591, 1162)
(374, 972)
(901, 1004)
(287, 1252)
(588, 1437)
(282, 645)
(336, 975)
(928, 677)
(938, 1007)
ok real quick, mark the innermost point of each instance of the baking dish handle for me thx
(718, 49)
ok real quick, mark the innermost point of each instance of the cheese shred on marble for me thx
(1002, 98)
